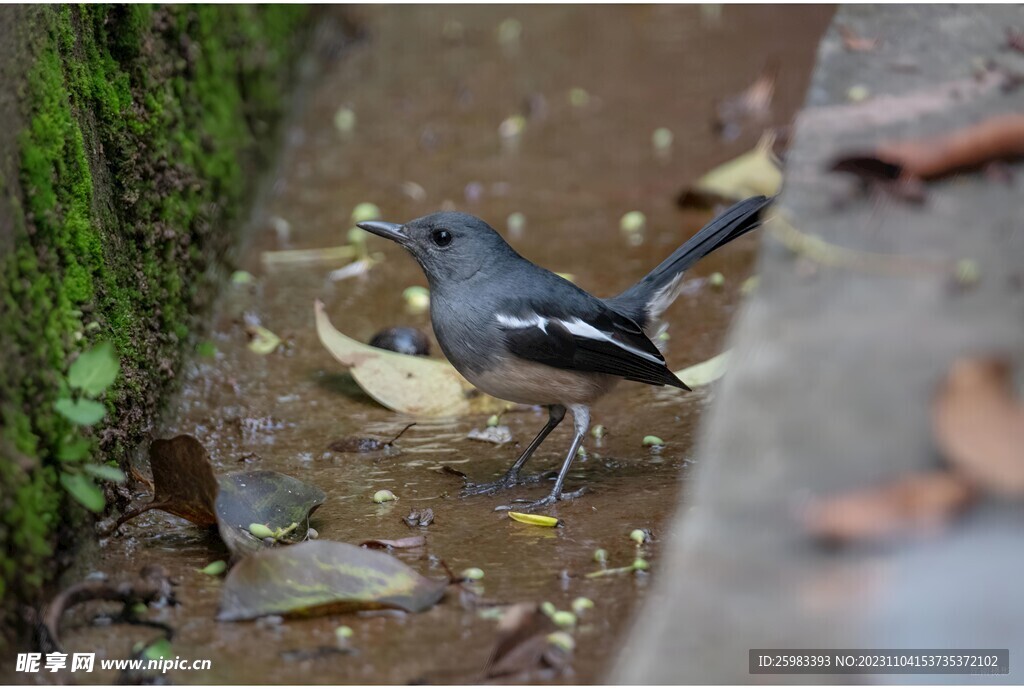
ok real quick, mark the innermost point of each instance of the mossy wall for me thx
(128, 145)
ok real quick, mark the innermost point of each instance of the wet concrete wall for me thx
(127, 135)
(835, 366)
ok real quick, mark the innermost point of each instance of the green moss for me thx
(138, 121)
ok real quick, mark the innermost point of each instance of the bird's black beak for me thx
(387, 230)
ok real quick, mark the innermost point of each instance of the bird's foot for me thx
(509, 480)
(527, 506)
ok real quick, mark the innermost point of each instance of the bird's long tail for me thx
(646, 300)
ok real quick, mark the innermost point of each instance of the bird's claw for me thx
(546, 501)
(506, 481)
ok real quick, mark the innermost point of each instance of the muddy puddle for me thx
(429, 88)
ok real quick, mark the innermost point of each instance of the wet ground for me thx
(429, 88)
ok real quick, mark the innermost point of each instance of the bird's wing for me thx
(594, 339)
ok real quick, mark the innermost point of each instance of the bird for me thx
(524, 334)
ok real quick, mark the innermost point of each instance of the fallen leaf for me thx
(705, 372)
(979, 425)
(363, 444)
(996, 138)
(752, 174)
(499, 435)
(535, 519)
(407, 542)
(262, 341)
(855, 43)
(263, 497)
(753, 106)
(183, 481)
(408, 384)
(522, 645)
(323, 577)
(912, 502)
(288, 257)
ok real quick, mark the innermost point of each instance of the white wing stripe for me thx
(581, 328)
(522, 323)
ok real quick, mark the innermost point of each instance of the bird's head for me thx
(449, 246)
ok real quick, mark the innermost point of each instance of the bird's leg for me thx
(581, 421)
(556, 413)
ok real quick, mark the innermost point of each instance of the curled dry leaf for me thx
(751, 106)
(408, 384)
(399, 543)
(522, 645)
(997, 138)
(323, 577)
(752, 174)
(909, 503)
(706, 372)
(419, 518)
(979, 425)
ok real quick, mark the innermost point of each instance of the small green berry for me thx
(581, 604)
(472, 574)
(365, 211)
(633, 221)
(382, 496)
(562, 640)
(652, 440)
(548, 608)
(564, 618)
(215, 568)
(601, 556)
(343, 632)
(640, 565)
(638, 535)
(716, 280)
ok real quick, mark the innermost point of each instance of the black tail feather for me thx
(639, 301)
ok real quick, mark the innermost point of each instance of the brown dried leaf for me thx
(521, 640)
(383, 544)
(979, 424)
(753, 105)
(410, 384)
(912, 502)
(997, 138)
(855, 43)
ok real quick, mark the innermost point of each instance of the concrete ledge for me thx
(833, 372)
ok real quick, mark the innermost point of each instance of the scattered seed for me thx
(633, 221)
(365, 211)
(562, 640)
(382, 496)
(578, 97)
(716, 280)
(638, 535)
(601, 556)
(858, 93)
(516, 223)
(564, 618)
(581, 604)
(640, 565)
(344, 632)
(417, 299)
(653, 440)
(215, 568)
(661, 140)
(511, 127)
(344, 120)
(242, 277)
(548, 608)
(260, 531)
(493, 420)
(597, 431)
(472, 574)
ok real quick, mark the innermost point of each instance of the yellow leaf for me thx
(751, 174)
(409, 384)
(705, 372)
(263, 341)
(535, 519)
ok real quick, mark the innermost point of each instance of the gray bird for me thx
(521, 333)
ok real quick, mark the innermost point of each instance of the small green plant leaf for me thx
(95, 370)
(105, 472)
(80, 412)
(323, 577)
(215, 568)
(84, 491)
(74, 448)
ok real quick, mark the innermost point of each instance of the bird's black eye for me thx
(441, 237)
